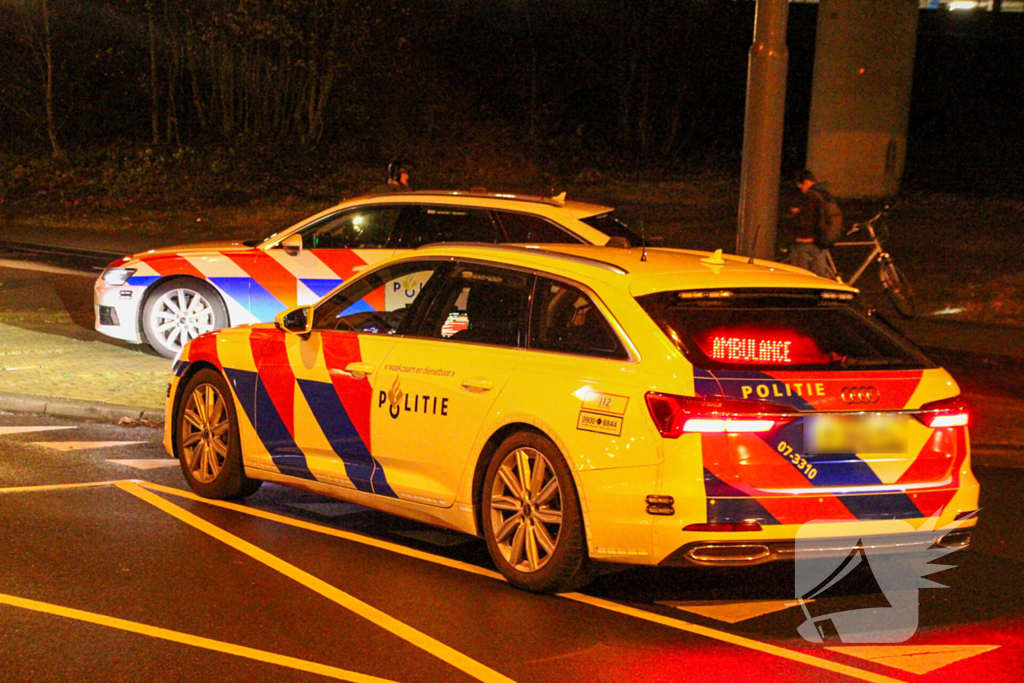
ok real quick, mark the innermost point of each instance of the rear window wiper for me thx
(869, 362)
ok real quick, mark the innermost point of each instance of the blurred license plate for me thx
(879, 433)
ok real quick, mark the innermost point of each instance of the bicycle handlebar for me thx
(871, 221)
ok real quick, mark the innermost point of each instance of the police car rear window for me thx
(764, 330)
(613, 227)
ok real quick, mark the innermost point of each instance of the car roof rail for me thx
(558, 200)
(556, 255)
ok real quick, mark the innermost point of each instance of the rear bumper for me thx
(747, 553)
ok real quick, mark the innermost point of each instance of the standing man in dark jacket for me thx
(807, 217)
(398, 178)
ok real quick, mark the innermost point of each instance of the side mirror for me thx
(292, 245)
(295, 320)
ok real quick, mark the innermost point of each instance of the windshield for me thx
(773, 331)
(613, 227)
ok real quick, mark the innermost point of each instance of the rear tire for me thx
(179, 310)
(531, 516)
(206, 439)
(898, 288)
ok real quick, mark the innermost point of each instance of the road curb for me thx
(78, 409)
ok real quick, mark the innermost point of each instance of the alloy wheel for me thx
(206, 429)
(526, 509)
(181, 315)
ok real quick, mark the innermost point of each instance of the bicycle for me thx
(893, 281)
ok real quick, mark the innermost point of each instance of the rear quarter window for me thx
(778, 331)
(613, 227)
(521, 227)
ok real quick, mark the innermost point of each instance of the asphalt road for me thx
(111, 571)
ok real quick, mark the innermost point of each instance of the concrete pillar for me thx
(762, 131)
(860, 98)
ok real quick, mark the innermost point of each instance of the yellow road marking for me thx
(188, 639)
(455, 564)
(57, 487)
(917, 659)
(349, 602)
(733, 611)
(673, 623)
(810, 660)
(309, 526)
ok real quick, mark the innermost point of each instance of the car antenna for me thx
(643, 242)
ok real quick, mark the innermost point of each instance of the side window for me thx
(379, 303)
(421, 225)
(521, 227)
(363, 228)
(480, 304)
(566, 320)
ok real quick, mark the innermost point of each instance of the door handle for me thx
(477, 384)
(359, 370)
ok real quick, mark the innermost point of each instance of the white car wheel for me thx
(180, 310)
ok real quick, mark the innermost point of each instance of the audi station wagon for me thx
(580, 405)
(164, 297)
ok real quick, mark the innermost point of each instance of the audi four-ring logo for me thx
(859, 395)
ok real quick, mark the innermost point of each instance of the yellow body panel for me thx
(434, 405)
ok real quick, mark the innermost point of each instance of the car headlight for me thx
(116, 277)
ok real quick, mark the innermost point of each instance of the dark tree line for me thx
(187, 71)
(587, 82)
(648, 77)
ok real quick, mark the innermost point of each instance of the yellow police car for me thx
(576, 405)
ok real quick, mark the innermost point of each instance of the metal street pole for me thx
(762, 131)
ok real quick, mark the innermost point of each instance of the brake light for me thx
(701, 424)
(958, 420)
(950, 412)
(676, 415)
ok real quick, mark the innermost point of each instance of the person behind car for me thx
(397, 179)
(807, 218)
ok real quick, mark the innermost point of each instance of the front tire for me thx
(180, 310)
(898, 288)
(531, 516)
(206, 439)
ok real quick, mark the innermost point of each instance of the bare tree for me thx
(32, 28)
(154, 88)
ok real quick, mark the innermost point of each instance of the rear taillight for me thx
(950, 412)
(676, 415)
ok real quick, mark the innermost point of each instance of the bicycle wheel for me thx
(898, 288)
